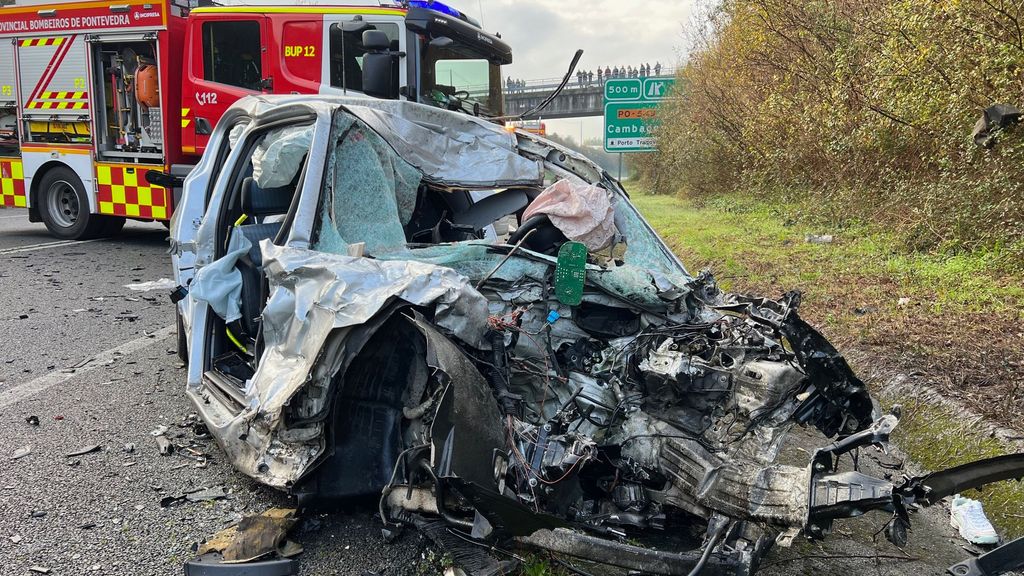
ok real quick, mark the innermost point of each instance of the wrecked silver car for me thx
(476, 327)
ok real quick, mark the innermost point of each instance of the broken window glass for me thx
(369, 193)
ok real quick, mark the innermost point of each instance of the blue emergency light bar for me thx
(436, 7)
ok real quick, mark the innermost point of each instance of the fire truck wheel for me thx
(64, 206)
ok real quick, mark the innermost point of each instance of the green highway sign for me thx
(623, 89)
(631, 112)
(628, 125)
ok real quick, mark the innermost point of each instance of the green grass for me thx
(937, 440)
(960, 321)
(760, 245)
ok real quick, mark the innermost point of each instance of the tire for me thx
(182, 340)
(64, 206)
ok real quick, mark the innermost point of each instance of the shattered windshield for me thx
(390, 207)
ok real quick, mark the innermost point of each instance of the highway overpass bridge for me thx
(578, 100)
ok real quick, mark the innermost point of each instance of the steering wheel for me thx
(546, 240)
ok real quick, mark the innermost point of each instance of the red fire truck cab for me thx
(95, 94)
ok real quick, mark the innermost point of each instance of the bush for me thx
(860, 109)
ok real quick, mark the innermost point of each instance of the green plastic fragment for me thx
(571, 273)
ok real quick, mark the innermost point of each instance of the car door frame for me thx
(208, 247)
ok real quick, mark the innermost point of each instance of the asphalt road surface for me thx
(94, 362)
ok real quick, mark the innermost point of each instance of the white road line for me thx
(31, 388)
(45, 245)
(13, 217)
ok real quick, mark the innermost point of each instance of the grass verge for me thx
(953, 321)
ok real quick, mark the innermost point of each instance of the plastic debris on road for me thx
(152, 286)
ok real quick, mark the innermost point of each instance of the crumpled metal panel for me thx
(439, 144)
(313, 294)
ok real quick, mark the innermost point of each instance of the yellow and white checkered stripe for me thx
(12, 184)
(122, 190)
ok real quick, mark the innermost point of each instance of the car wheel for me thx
(64, 206)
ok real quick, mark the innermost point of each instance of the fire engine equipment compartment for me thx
(129, 123)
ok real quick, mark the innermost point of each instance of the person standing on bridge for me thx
(615, 73)
(590, 77)
(600, 76)
(657, 68)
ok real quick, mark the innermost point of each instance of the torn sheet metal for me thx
(312, 295)
(440, 146)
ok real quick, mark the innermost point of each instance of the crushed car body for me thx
(475, 326)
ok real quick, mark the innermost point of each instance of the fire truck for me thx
(96, 94)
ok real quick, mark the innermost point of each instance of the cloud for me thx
(545, 33)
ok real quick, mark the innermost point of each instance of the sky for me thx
(544, 34)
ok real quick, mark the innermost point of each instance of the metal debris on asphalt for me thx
(161, 284)
(255, 537)
(33, 420)
(21, 452)
(84, 450)
(206, 495)
(200, 495)
(164, 445)
(39, 570)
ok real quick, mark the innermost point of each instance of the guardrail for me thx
(549, 84)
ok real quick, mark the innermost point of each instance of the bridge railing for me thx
(549, 84)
